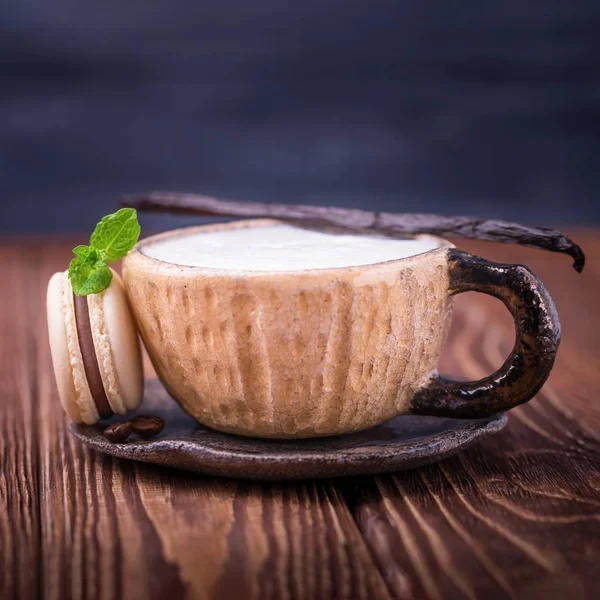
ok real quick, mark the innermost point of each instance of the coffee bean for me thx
(118, 432)
(147, 425)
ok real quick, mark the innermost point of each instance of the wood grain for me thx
(516, 517)
(519, 516)
(20, 547)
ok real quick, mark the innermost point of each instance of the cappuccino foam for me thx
(282, 247)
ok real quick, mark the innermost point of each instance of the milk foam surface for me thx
(281, 248)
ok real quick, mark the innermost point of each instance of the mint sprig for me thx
(114, 236)
(117, 234)
(88, 271)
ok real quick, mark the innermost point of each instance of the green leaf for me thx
(112, 239)
(88, 271)
(117, 234)
(81, 252)
(90, 254)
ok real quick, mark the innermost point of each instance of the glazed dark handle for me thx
(530, 362)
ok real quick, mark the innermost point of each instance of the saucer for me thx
(402, 443)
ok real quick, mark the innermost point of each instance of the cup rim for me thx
(165, 266)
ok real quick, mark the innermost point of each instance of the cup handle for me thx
(530, 362)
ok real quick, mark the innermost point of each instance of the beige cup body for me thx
(301, 354)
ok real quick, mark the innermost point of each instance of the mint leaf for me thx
(117, 234)
(88, 271)
(112, 239)
(82, 252)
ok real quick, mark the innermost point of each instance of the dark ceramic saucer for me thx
(402, 443)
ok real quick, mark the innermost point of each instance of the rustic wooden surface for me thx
(518, 516)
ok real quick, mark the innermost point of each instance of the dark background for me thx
(484, 108)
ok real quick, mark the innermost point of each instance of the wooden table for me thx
(518, 516)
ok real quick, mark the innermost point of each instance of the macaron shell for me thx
(57, 337)
(103, 349)
(73, 389)
(117, 347)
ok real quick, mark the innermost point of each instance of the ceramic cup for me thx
(330, 351)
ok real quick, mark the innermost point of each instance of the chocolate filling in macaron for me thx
(88, 353)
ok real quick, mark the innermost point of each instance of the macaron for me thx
(95, 350)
